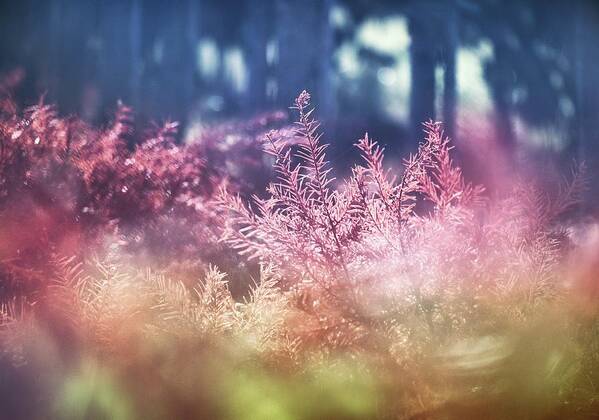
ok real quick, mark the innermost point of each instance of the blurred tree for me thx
(586, 52)
(500, 78)
(118, 41)
(532, 74)
(422, 63)
(71, 55)
(170, 42)
(257, 30)
(86, 54)
(305, 45)
(432, 25)
(450, 44)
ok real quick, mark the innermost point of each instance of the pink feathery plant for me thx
(383, 295)
(68, 188)
(365, 246)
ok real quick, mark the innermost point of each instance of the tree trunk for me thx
(450, 46)
(422, 64)
(587, 89)
(304, 51)
(256, 32)
(171, 36)
(136, 42)
(499, 75)
(119, 51)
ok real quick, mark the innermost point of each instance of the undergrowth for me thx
(383, 295)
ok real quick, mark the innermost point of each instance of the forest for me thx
(284, 209)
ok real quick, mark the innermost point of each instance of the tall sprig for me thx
(317, 178)
(304, 216)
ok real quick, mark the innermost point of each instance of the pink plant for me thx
(75, 187)
(361, 246)
(422, 291)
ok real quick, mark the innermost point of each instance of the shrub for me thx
(67, 188)
(373, 244)
(418, 296)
